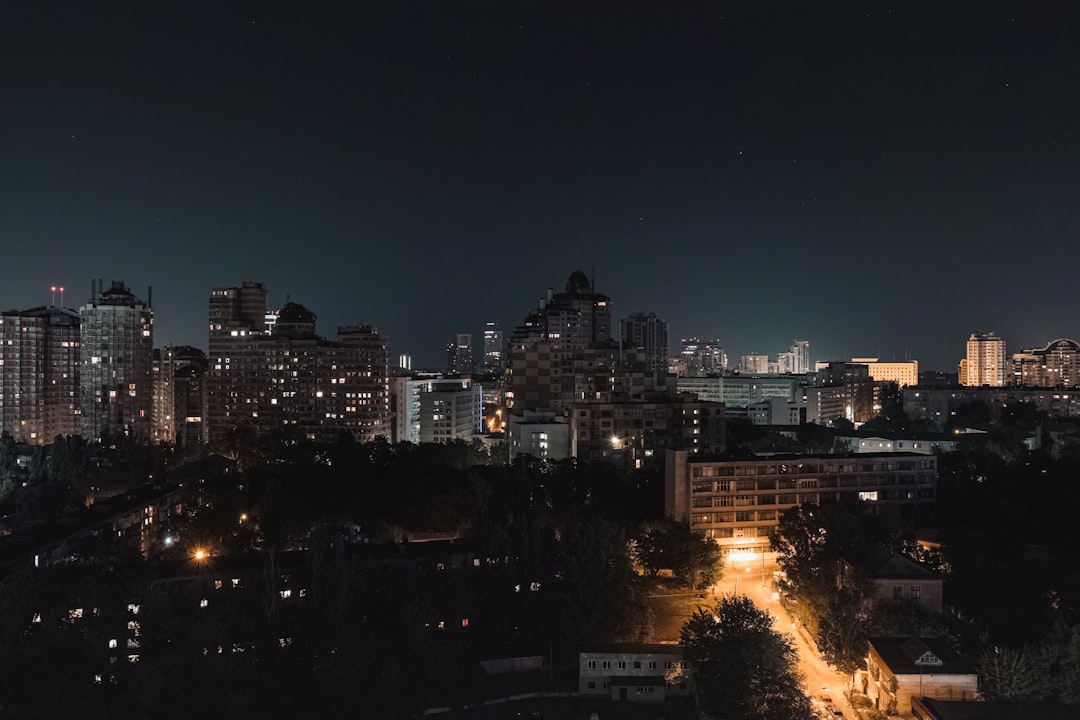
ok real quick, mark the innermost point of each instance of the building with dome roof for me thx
(273, 372)
(1055, 365)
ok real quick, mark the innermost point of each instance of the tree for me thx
(668, 544)
(1014, 675)
(743, 668)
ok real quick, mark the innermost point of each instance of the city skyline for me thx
(859, 179)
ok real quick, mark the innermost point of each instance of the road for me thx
(754, 579)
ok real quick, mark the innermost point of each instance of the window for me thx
(897, 592)
(637, 664)
(592, 664)
(916, 592)
(622, 664)
(607, 664)
(592, 685)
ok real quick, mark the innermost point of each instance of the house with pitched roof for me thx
(898, 669)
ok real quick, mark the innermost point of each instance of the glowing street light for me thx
(200, 555)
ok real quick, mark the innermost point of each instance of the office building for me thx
(985, 362)
(902, 373)
(39, 373)
(494, 362)
(459, 355)
(433, 408)
(800, 352)
(116, 365)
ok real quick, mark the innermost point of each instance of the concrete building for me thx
(116, 365)
(1056, 365)
(429, 407)
(937, 404)
(778, 411)
(899, 669)
(701, 357)
(544, 434)
(740, 391)
(634, 672)
(451, 409)
(985, 361)
(39, 373)
(578, 318)
(738, 502)
(754, 364)
(648, 334)
(289, 379)
(902, 373)
(172, 409)
(634, 430)
(800, 351)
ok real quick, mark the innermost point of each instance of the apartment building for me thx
(739, 502)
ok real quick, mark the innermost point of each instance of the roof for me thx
(883, 564)
(915, 656)
(969, 710)
(639, 648)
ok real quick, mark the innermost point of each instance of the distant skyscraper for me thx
(985, 360)
(754, 364)
(649, 334)
(801, 357)
(703, 357)
(459, 355)
(116, 365)
(238, 319)
(494, 349)
(39, 373)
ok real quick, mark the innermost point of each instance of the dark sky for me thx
(880, 181)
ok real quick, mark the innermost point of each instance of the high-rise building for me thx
(986, 363)
(459, 355)
(1056, 365)
(116, 365)
(39, 373)
(175, 409)
(750, 364)
(800, 352)
(288, 378)
(702, 357)
(648, 334)
(238, 321)
(494, 349)
(578, 318)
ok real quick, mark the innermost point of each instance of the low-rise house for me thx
(898, 669)
(898, 577)
(634, 672)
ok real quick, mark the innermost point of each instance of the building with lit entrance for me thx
(738, 503)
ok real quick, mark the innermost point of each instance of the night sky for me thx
(880, 181)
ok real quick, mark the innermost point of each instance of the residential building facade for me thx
(39, 373)
(739, 502)
(116, 365)
(634, 672)
(985, 361)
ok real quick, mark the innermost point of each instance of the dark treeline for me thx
(312, 602)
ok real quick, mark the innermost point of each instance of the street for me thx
(754, 579)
